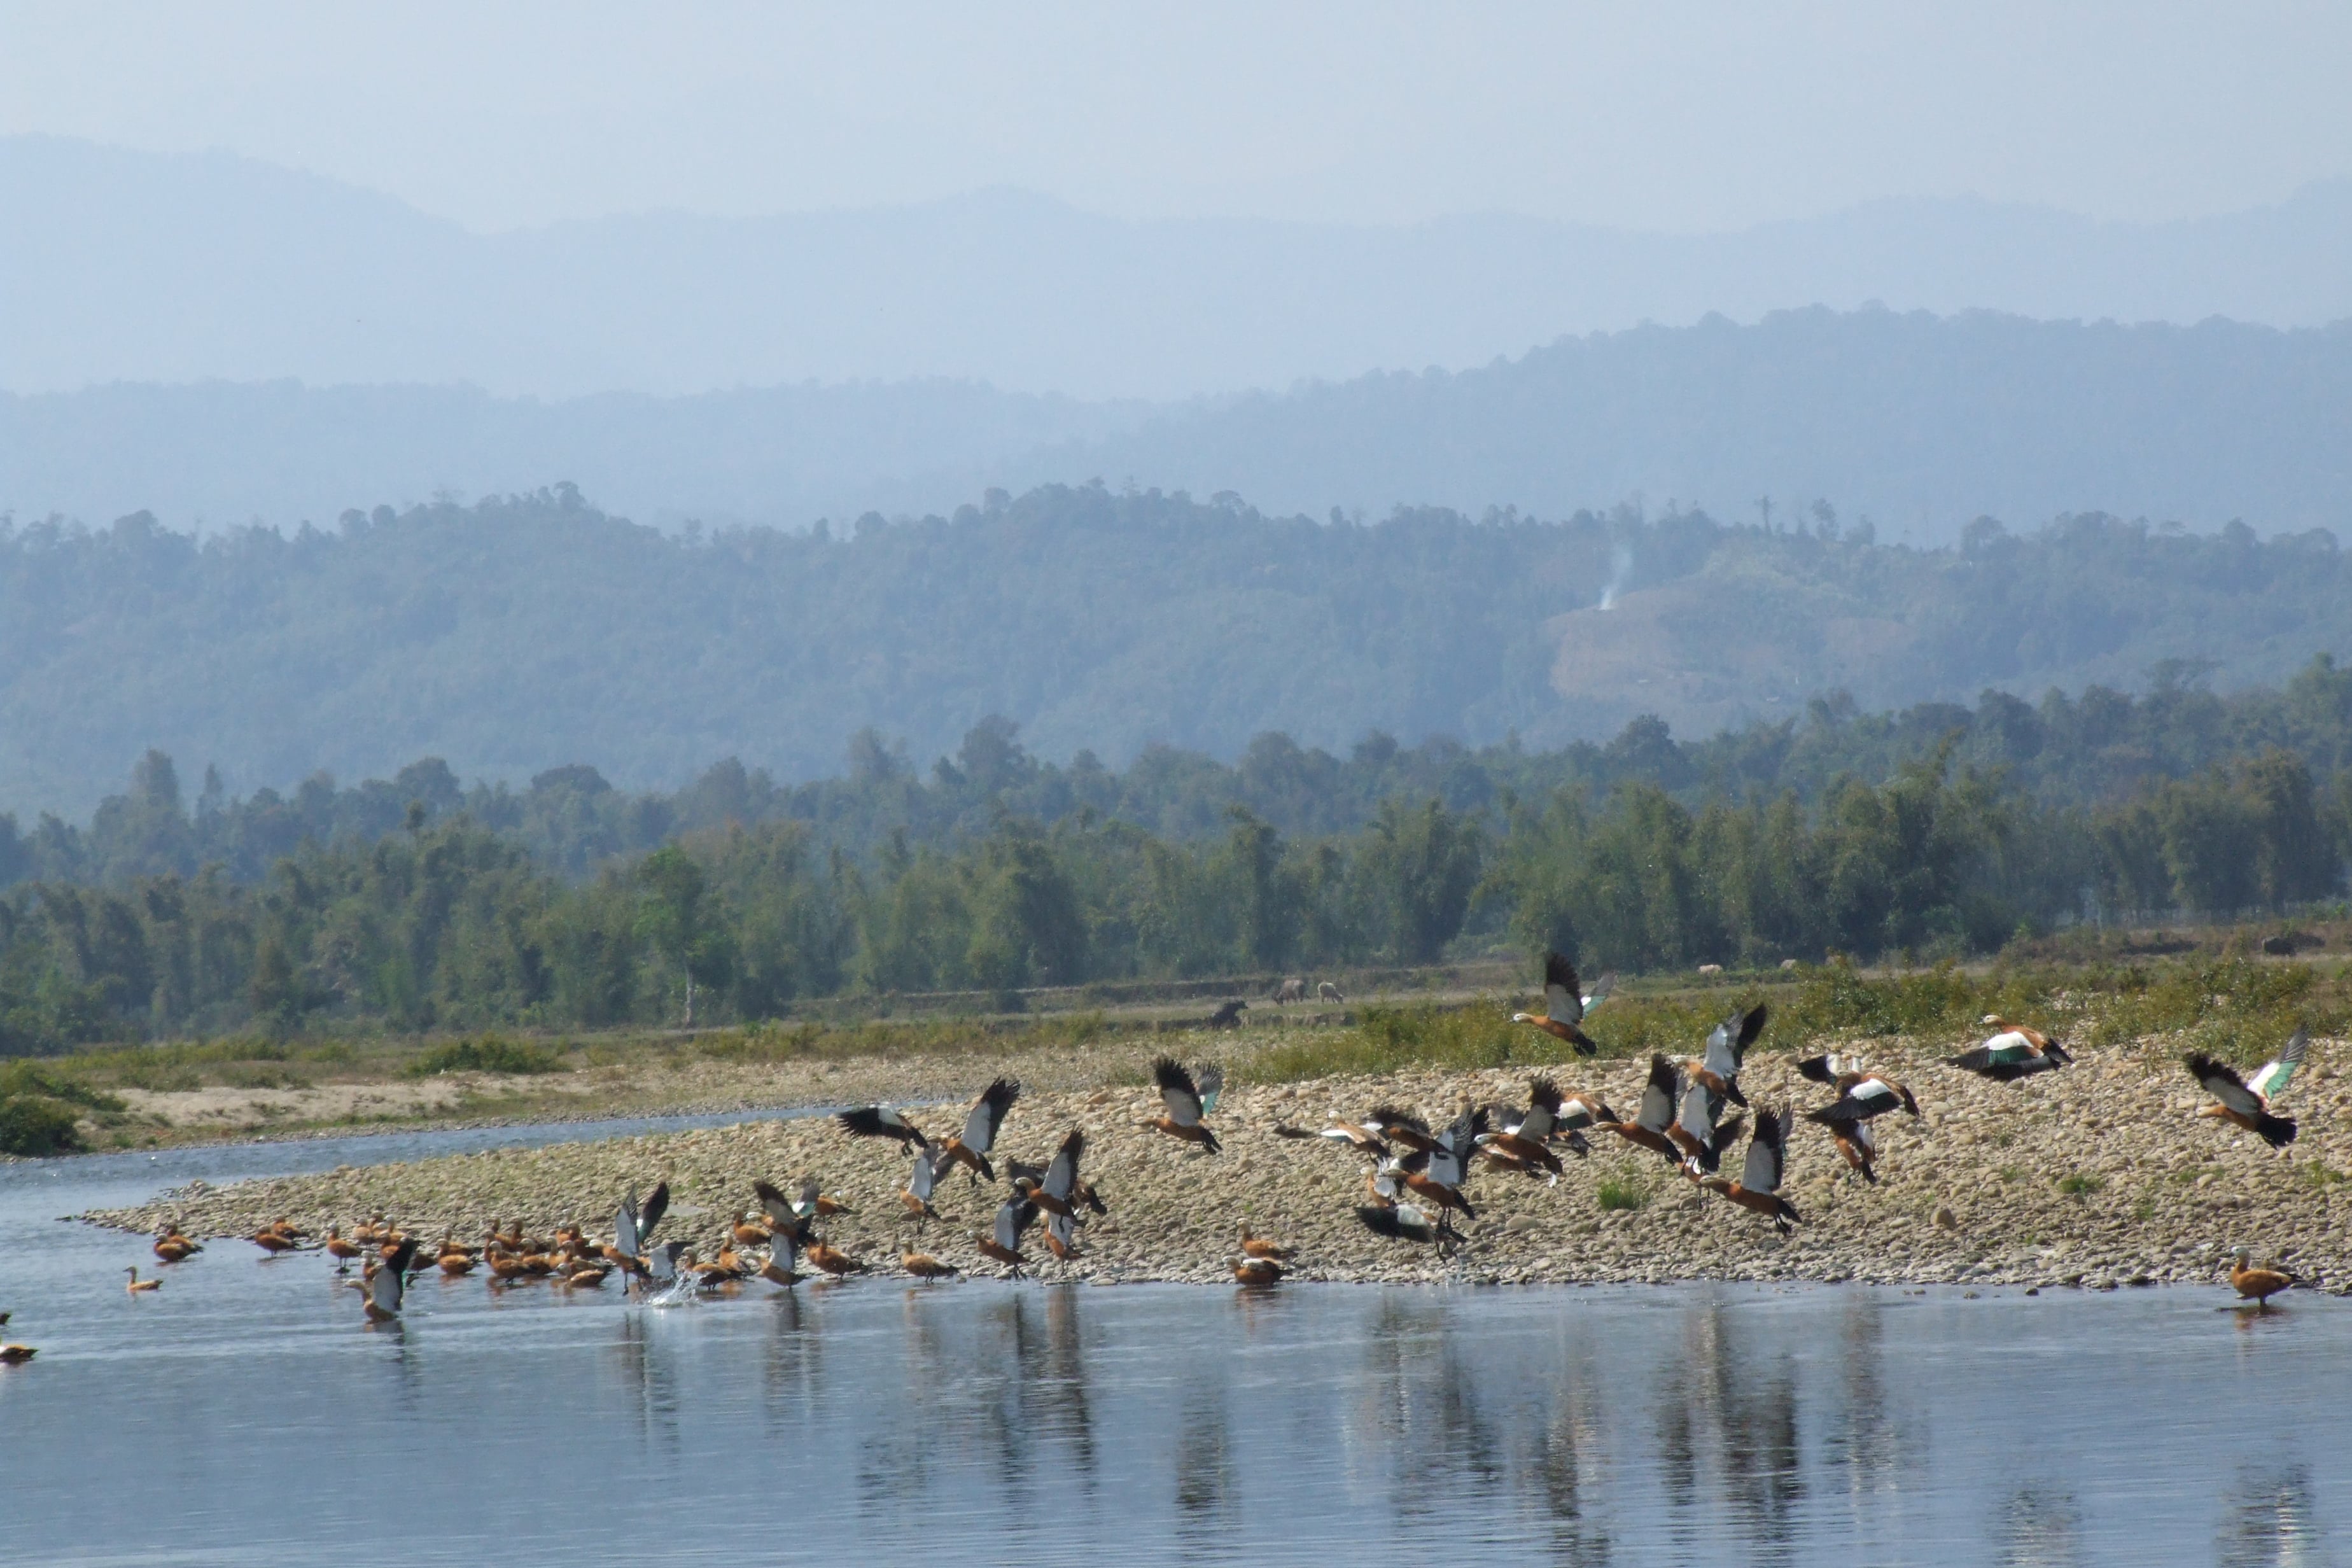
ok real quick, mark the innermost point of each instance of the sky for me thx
(1681, 115)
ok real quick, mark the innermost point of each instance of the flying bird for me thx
(1565, 1004)
(1655, 1114)
(2013, 1052)
(1188, 1102)
(1758, 1189)
(2246, 1102)
(980, 1125)
(881, 1121)
(1727, 1052)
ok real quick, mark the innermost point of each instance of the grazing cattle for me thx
(1328, 992)
(1228, 1015)
(1711, 969)
(1291, 990)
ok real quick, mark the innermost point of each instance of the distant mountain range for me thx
(125, 266)
(1920, 423)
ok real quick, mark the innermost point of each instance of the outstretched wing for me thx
(980, 1128)
(651, 1215)
(2271, 1080)
(2222, 1082)
(1062, 1174)
(1563, 993)
(878, 1122)
(1722, 1057)
(1750, 1027)
(1658, 1096)
(1767, 1152)
(1600, 992)
(1177, 1091)
(777, 1206)
(924, 1177)
(1211, 1084)
(1822, 1068)
(625, 1226)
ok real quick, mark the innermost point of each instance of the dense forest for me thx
(526, 632)
(410, 903)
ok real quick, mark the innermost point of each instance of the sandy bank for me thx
(2155, 1196)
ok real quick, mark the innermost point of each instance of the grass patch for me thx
(488, 1054)
(1619, 1194)
(2010, 1174)
(2080, 1183)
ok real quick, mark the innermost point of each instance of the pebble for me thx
(1175, 1215)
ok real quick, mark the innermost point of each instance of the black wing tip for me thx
(1816, 1069)
(1559, 969)
(2278, 1131)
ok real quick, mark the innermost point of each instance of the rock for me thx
(1945, 1218)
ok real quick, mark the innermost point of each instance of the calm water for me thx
(245, 1414)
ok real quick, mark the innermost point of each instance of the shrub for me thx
(488, 1054)
(34, 1125)
(2080, 1183)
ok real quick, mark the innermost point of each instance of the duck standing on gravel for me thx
(2246, 1102)
(1565, 1004)
(1188, 1102)
(2257, 1285)
(1660, 1096)
(2013, 1052)
(1758, 1189)
(1861, 1097)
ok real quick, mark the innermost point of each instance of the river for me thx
(245, 1414)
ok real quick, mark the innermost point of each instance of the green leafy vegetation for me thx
(1618, 1193)
(547, 632)
(488, 1054)
(2081, 1184)
(39, 1109)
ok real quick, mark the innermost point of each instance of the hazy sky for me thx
(1676, 116)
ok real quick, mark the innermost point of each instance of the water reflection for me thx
(2039, 1527)
(1728, 1427)
(2270, 1521)
(1053, 1424)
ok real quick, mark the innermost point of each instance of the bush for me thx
(34, 1125)
(488, 1054)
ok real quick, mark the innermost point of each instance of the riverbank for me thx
(2098, 1176)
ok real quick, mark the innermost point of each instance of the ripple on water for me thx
(245, 1414)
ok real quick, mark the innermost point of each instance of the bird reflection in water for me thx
(646, 1376)
(791, 1367)
(1728, 1431)
(2270, 1521)
(1208, 1510)
(2041, 1528)
(1064, 1410)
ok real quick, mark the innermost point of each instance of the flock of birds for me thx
(1690, 1114)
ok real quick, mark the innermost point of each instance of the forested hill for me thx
(1921, 422)
(525, 634)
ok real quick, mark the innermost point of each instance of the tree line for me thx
(448, 922)
(2098, 747)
